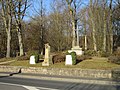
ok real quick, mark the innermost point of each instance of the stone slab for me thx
(78, 52)
(76, 49)
(32, 60)
(68, 60)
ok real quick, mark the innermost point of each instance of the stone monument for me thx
(32, 60)
(47, 60)
(76, 49)
(68, 60)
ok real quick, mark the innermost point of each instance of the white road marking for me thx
(28, 87)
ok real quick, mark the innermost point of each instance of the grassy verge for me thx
(95, 63)
(6, 59)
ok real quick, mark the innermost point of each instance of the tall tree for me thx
(40, 19)
(111, 26)
(116, 23)
(93, 25)
(2, 38)
(105, 25)
(20, 7)
(72, 12)
(59, 36)
(85, 29)
(7, 18)
(41, 22)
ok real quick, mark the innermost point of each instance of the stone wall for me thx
(69, 72)
(116, 73)
(77, 72)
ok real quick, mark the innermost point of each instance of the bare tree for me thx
(20, 7)
(105, 25)
(7, 18)
(59, 24)
(72, 12)
(111, 26)
(85, 29)
(93, 25)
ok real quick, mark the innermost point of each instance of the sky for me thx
(35, 8)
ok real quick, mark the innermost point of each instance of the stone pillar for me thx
(47, 60)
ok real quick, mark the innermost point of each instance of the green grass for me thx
(5, 59)
(95, 63)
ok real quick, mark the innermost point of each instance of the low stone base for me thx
(76, 49)
(45, 64)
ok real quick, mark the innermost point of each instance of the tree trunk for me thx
(72, 13)
(7, 18)
(85, 33)
(20, 42)
(111, 29)
(93, 34)
(93, 27)
(94, 39)
(104, 40)
(85, 42)
(8, 31)
(73, 33)
(8, 44)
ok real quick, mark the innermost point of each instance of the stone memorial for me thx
(47, 61)
(32, 60)
(76, 49)
(68, 60)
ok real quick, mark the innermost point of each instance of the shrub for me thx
(67, 53)
(116, 53)
(114, 59)
(73, 54)
(22, 58)
(2, 54)
(41, 56)
(60, 57)
(103, 54)
(34, 53)
(36, 58)
(90, 52)
(83, 57)
(74, 57)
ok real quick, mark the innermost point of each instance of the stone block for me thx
(68, 60)
(32, 60)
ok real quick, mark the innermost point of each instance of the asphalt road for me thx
(15, 83)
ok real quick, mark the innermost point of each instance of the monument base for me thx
(45, 64)
(47, 61)
(76, 49)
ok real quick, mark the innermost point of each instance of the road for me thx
(15, 83)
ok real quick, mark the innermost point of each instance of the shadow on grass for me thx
(11, 74)
(82, 58)
(41, 60)
(78, 61)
